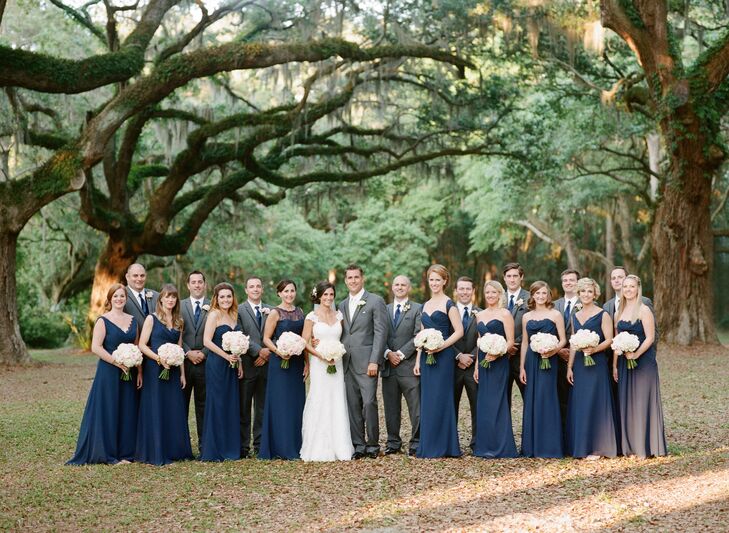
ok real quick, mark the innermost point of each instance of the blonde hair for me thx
(638, 297)
(498, 288)
(441, 271)
(586, 283)
(531, 304)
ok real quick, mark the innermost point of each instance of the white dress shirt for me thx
(353, 301)
(402, 304)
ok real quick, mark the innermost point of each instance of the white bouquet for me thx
(584, 338)
(491, 344)
(288, 344)
(543, 343)
(129, 355)
(171, 355)
(235, 343)
(625, 342)
(331, 350)
(430, 339)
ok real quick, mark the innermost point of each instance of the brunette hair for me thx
(115, 287)
(465, 279)
(533, 289)
(499, 288)
(440, 270)
(619, 267)
(320, 289)
(194, 273)
(252, 277)
(569, 271)
(168, 289)
(353, 266)
(512, 266)
(233, 311)
(283, 284)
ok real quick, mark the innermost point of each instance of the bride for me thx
(325, 430)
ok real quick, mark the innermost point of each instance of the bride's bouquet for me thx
(289, 344)
(625, 342)
(171, 355)
(129, 355)
(543, 343)
(429, 339)
(491, 344)
(236, 343)
(331, 350)
(584, 338)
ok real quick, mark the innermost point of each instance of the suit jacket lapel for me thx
(187, 310)
(249, 309)
(360, 305)
(345, 305)
(203, 314)
(133, 297)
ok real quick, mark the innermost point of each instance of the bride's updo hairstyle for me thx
(320, 289)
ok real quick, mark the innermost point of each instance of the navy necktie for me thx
(197, 312)
(465, 318)
(511, 302)
(397, 314)
(143, 302)
(258, 316)
(567, 312)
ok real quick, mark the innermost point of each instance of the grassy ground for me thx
(41, 408)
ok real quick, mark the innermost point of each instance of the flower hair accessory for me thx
(313, 292)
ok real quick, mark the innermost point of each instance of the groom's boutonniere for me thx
(205, 307)
(148, 295)
(361, 303)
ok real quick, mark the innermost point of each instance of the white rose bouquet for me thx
(288, 344)
(236, 343)
(625, 342)
(491, 344)
(331, 350)
(129, 355)
(543, 343)
(584, 338)
(171, 355)
(429, 339)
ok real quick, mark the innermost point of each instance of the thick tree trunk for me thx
(12, 347)
(110, 268)
(683, 250)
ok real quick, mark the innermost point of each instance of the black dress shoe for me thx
(412, 453)
(358, 455)
(372, 455)
(391, 451)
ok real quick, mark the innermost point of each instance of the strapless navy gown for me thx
(283, 410)
(494, 433)
(639, 392)
(590, 409)
(163, 435)
(221, 429)
(108, 431)
(542, 428)
(438, 424)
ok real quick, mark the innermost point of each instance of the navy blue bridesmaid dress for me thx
(108, 431)
(494, 434)
(283, 409)
(541, 434)
(221, 429)
(590, 409)
(163, 435)
(438, 424)
(639, 393)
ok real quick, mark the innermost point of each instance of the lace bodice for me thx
(322, 330)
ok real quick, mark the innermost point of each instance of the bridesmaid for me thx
(109, 426)
(541, 434)
(163, 435)
(438, 424)
(494, 434)
(221, 429)
(639, 393)
(590, 410)
(283, 410)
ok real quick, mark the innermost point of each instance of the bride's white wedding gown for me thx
(325, 429)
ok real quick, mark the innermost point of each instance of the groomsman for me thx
(612, 306)
(568, 305)
(364, 336)
(516, 303)
(398, 378)
(252, 316)
(465, 348)
(141, 302)
(194, 313)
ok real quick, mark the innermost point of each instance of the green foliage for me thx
(41, 329)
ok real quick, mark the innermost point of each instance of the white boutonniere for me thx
(148, 295)
(361, 303)
(473, 312)
(265, 310)
(205, 307)
(578, 306)
(519, 302)
(406, 307)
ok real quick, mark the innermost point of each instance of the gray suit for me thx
(192, 339)
(515, 360)
(255, 378)
(463, 377)
(364, 336)
(401, 380)
(134, 307)
(563, 386)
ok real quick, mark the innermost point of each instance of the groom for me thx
(364, 336)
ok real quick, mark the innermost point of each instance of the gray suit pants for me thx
(394, 387)
(362, 403)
